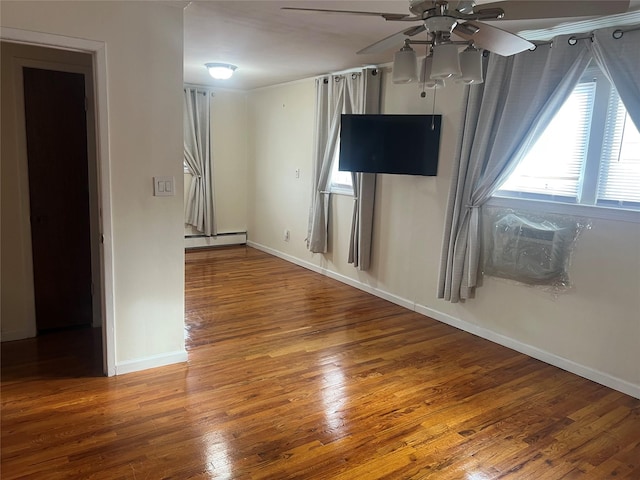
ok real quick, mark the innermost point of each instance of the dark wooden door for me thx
(56, 131)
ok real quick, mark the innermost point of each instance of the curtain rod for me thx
(352, 71)
(617, 34)
(204, 88)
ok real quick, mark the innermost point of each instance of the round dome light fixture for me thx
(220, 71)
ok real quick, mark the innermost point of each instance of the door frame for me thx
(97, 50)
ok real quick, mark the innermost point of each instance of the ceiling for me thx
(272, 46)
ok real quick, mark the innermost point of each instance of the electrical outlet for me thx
(286, 235)
(297, 173)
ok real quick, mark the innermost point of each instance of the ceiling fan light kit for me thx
(471, 66)
(425, 81)
(441, 63)
(446, 62)
(405, 65)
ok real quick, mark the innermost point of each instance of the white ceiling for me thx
(272, 46)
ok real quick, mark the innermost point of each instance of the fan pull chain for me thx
(424, 72)
(433, 111)
(423, 94)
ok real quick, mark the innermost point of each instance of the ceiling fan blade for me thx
(531, 9)
(386, 16)
(392, 41)
(493, 39)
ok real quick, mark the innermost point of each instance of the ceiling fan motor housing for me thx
(440, 24)
(419, 7)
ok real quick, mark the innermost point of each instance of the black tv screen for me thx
(400, 144)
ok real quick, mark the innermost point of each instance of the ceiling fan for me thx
(442, 19)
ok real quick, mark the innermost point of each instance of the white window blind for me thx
(619, 178)
(553, 166)
(341, 182)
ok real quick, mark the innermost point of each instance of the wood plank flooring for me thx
(292, 375)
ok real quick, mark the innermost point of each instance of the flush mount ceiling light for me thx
(220, 71)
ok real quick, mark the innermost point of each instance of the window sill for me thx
(334, 190)
(590, 211)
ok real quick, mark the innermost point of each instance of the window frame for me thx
(336, 187)
(585, 203)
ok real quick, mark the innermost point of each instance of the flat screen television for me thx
(400, 144)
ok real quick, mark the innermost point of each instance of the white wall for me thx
(281, 135)
(229, 139)
(593, 329)
(144, 43)
(230, 156)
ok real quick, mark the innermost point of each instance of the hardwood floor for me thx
(292, 375)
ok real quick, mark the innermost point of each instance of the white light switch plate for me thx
(163, 186)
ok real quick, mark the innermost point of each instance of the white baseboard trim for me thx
(130, 366)
(336, 276)
(534, 352)
(217, 241)
(13, 335)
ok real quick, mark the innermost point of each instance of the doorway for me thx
(56, 227)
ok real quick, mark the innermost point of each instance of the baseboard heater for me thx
(219, 240)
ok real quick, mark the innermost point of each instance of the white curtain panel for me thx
(619, 59)
(503, 116)
(365, 98)
(199, 207)
(329, 105)
(357, 92)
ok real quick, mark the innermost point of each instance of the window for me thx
(620, 165)
(341, 182)
(589, 154)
